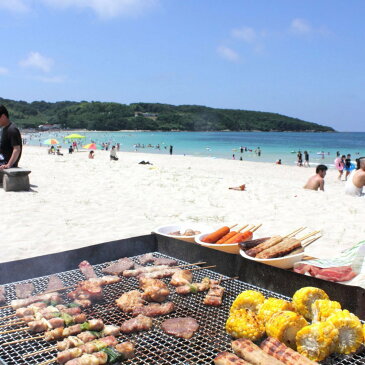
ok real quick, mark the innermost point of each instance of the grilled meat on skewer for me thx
(143, 270)
(118, 267)
(111, 330)
(146, 258)
(35, 313)
(24, 290)
(283, 353)
(204, 285)
(87, 269)
(214, 296)
(285, 246)
(181, 277)
(250, 352)
(154, 290)
(264, 245)
(130, 301)
(97, 358)
(43, 324)
(227, 358)
(86, 348)
(137, 324)
(31, 309)
(245, 246)
(59, 333)
(183, 327)
(50, 297)
(159, 274)
(154, 309)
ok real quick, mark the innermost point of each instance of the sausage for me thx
(215, 236)
(253, 243)
(241, 237)
(227, 237)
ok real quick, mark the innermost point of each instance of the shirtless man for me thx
(316, 182)
(356, 182)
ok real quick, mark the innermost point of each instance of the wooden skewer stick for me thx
(255, 228)
(233, 226)
(11, 324)
(196, 263)
(308, 235)
(39, 352)
(306, 244)
(201, 268)
(6, 317)
(295, 232)
(22, 340)
(5, 306)
(17, 330)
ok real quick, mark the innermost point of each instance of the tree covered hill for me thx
(150, 116)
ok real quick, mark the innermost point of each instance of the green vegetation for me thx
(150, 116)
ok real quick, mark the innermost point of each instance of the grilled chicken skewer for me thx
(81, 339)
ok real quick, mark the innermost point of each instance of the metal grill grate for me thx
(154, 346)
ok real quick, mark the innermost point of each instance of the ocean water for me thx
(322, 147)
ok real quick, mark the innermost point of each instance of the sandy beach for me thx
(78, 202)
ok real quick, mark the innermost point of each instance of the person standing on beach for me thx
(306, 158)
(171, 148)
(347, 167)
(11, 141)
(340, 164)
(300, 159)
(316, 182)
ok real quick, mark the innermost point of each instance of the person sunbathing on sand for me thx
(316, 182)
(356, 182)
(239, 188)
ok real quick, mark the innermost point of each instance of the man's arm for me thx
(13, 158)
(321, 185)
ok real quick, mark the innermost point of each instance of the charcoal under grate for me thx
(154, 346)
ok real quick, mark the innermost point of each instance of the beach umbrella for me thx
(91, 146)
(74, 136)
(51, 141)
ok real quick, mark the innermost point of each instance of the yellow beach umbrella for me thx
(74, 136)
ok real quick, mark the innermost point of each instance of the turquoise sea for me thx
(322, 147)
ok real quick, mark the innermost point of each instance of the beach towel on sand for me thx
(351, 262)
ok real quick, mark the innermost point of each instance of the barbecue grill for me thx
(154, 346)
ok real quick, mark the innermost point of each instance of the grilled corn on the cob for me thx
(350, 331)
(305, 297)
(244, 323)
(284, 326)
(249, 299)
(317, 341)
(323, 308)
(271, 306)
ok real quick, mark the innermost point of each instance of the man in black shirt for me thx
(11, 141)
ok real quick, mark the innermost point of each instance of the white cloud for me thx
(3, 71)
(228, 53)
(16, 6)
(106, 8)
(36, 60)
(246, 34)
(300, 26)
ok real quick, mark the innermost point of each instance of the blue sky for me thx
(302, 58)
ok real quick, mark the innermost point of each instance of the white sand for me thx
(79, 202)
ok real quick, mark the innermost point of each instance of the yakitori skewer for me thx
(304, 245)
(284, 247)
(22, 340)
(79, 340)
(272, 241)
